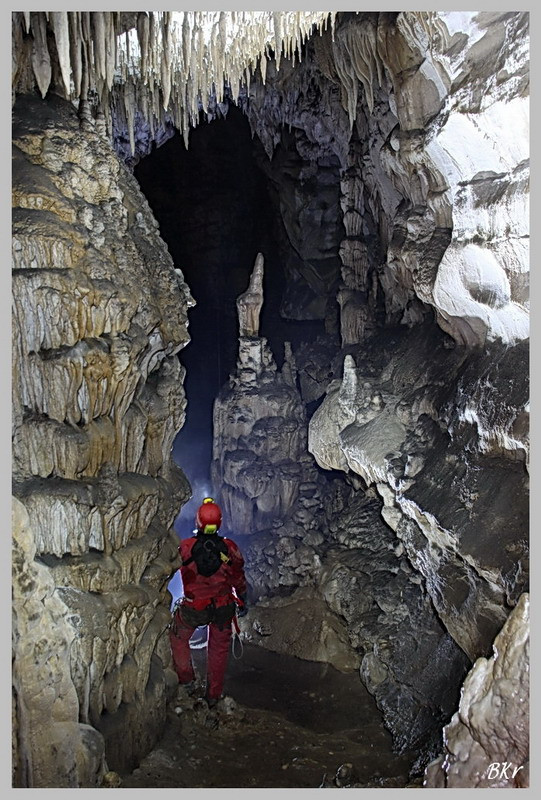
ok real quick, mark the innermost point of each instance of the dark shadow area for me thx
(211, 205)
(215, 210)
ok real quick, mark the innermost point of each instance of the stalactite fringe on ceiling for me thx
(167, 64)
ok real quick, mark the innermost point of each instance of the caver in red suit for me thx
(214, 584)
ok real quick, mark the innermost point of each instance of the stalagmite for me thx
(249, 303)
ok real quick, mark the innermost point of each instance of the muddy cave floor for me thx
(283, 723)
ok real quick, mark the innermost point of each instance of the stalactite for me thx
(194, 75)
(202, 51)
(99, 42)
(143, 33)
(110, 51)
(41, 62)
(88, 68)
(185, 44)
(277, 21)
(222, 27)
(60, 26)
(129, 107)
(76, 46)
(185, 130)
(166, 83)
(152, 54)
(200, 47)
(204, 89)
(219, 65)
(213, 54)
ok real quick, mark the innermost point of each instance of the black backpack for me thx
(209, 553)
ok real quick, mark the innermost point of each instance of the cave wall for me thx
(419, 125)
(433, 196)
(100, 314)
(492, 722)
(428, 120)
(426, 400)
(396, 418)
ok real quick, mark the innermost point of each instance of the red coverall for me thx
(207, 601)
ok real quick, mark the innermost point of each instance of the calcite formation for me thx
(259, 438)
(396, 514)
(433, 165)
(330, 579)
(99, 316)
(397, 421)
(250, 302)
(169, 62)
(52, 745)
(486, 744)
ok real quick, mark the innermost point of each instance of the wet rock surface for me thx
(284, 723)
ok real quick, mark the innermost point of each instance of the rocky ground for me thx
(284, 723)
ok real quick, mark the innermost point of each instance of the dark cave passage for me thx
(216, 209)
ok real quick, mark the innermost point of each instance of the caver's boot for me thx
(185, 690)
(212, 702)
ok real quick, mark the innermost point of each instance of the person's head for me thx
(209, 516)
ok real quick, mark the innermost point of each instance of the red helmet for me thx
(209, 516)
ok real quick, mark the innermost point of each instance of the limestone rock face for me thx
(408, 421)
(368, 581)
(328, 579)
(301, 625)
(486, 744)
(99, 316)
(259, 438)
(304, 177)
(52, 745)
(425, 115)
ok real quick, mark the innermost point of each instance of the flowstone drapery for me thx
(99, 316)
